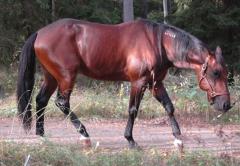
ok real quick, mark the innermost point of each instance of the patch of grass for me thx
(98, 99)
(201, 158)
(8, 107)
(53, 154)
(8, 81)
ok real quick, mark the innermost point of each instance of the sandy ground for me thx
(154, 133)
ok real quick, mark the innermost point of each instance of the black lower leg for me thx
(162, 96)
(78, 125)
(41, 102)
(174, 124)
(136, 95)
(129, 127)
(40, 122)
(63, 103)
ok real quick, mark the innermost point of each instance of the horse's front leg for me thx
(160, 93)
(137, 91)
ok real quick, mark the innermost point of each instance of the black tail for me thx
(26, 80)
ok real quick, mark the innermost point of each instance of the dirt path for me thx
(109, 134)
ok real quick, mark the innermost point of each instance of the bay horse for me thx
(140, 52)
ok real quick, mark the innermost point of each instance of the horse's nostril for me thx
(226, 106)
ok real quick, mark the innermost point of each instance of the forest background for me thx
(216, 22)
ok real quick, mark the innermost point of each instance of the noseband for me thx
(211, 91)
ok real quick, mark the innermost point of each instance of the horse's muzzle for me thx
(222, 103)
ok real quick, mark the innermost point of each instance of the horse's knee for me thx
(169, 109)
(133, 111)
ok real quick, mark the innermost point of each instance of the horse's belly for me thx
(106, 77)
(100, 74)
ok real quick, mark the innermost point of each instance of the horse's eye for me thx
(216, 74)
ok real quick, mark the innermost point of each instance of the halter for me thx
(211, 91)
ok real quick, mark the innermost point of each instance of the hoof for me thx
(85, 141)
(135, 146)
(40, 133)
(178, 144)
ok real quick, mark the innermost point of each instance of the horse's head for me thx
(212, 77)
(186, 51)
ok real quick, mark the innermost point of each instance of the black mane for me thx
(185, 42)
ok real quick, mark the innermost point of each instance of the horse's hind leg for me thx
(62, 101)
(48, 87)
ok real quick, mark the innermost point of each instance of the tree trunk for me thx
(128, 10)
(27, 13)
(144, 8)
(165, 10)
(52, 9)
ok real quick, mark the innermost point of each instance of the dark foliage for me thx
(215, 22)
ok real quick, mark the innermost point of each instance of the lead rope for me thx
(232, 105)
(154, 82)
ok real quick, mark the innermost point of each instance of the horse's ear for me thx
(218, 54)
(218, 51)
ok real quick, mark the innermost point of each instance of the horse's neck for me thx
(184, 65)
(191, 62)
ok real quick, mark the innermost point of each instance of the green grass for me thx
(54, 154)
